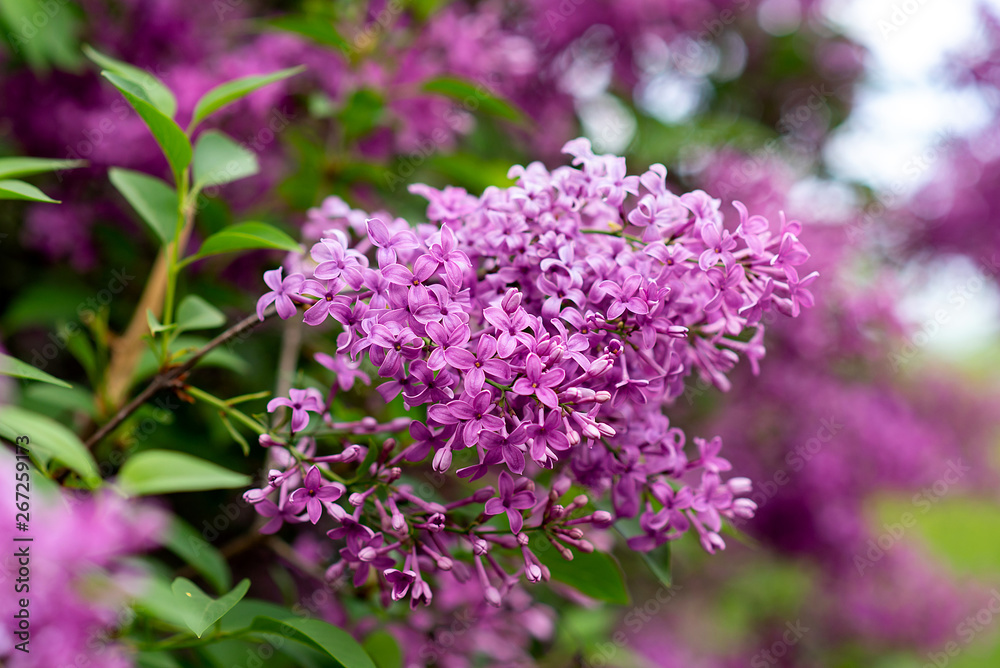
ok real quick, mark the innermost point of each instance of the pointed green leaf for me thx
(218, 160)
(155, 90)
(183, 540)
(318, 30)
(231, 91)
(336, 643)
(199, 609)
(154, 201)
(384, 650)
(595, 574)
(165, 472)
(246, 236)
(11, 366)
(51, 441)
(168, 135)
(196, 313)
(10, 189)
(657, 560)
(43, 34)
(474, 97)
(11, 167)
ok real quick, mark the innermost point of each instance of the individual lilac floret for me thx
(314, 491)
(510, 502)
(282, 291)
(301, 402)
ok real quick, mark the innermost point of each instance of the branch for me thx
(168, 377)
(127, 350)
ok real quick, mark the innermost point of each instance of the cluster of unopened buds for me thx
(544, 328)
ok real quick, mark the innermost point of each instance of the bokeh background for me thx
(871, 433)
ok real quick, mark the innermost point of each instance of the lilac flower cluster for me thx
(81, 577)
(543, 326)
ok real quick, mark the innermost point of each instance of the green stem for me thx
(234, 413)
(612, 233)
(505, 388)
(173, 255)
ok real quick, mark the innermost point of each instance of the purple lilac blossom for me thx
(79, 583)
(541, 333)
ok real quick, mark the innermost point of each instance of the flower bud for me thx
(712, 541)
(483, 495)
(479, 546)
(744, 508)
(561, 485)
(511, 301)
(266, 441)
(336, 571)
(599, 366)
(739, 485)
(603, 519)
(442, 460)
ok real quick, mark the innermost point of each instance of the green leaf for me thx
(474, 97)
(361, 113)
(336, 643)
(155, 327)
(657, 560)
(156, 599)
(11, 189)
(471, 171)
(183, 540)
(218, 160)
(165, 472)
(50, 398)
(382, 647)
(317, 29)
(154, 201)
(595, 574)
(51, 441)
(196, 313)
(53, 44)
(11, 366)
(11, 167)
(242, 616)
(199, 609)
(155, 660)
(153, 89)
(168, 134)
(225, 94)
(237, 436)
(222, 357)
(656, 141)
(246, 236)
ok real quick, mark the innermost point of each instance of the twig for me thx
(166, 378)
